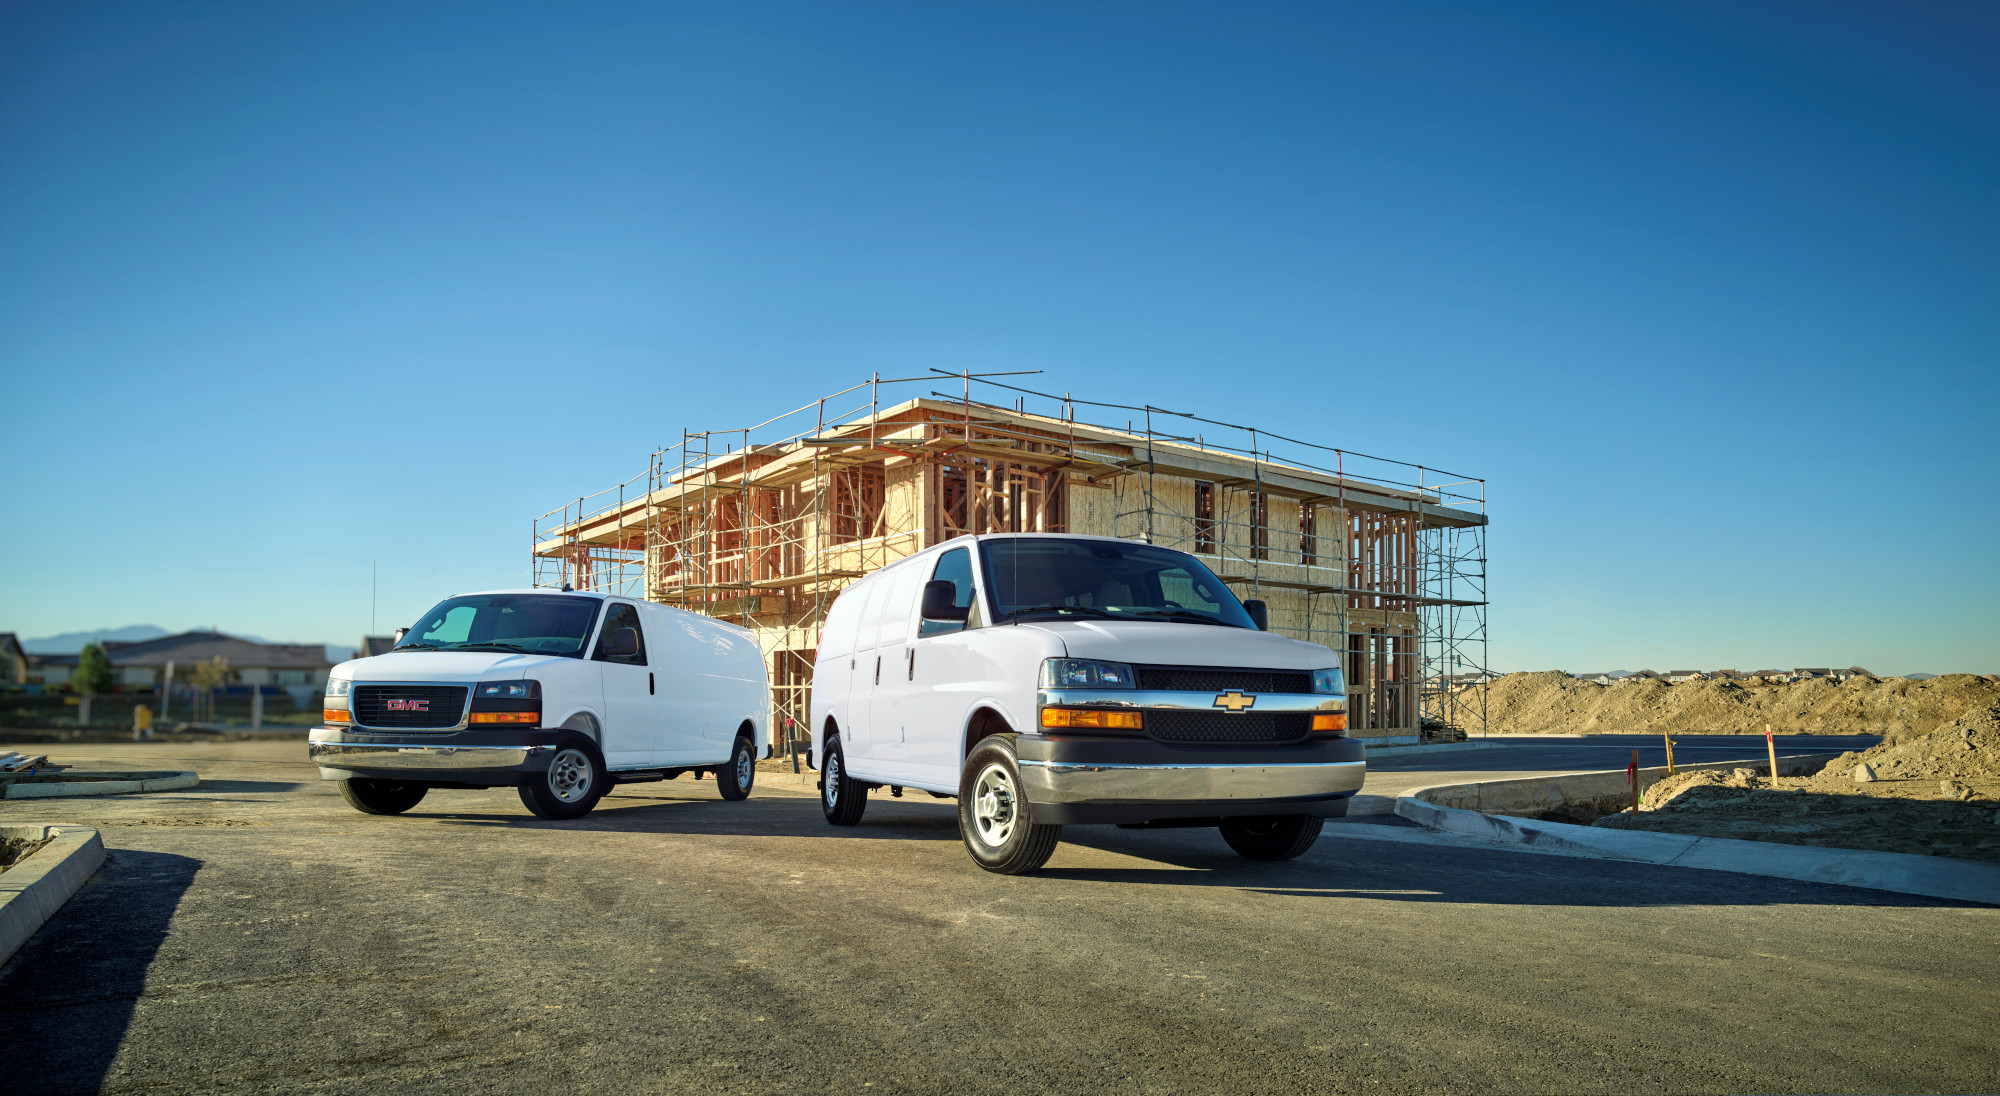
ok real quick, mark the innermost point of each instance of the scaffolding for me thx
(1382, 560)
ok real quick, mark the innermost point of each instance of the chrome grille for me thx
(1174, 725)
(444, 706)
(1216, 679)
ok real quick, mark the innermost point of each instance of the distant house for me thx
(299, 669)
(1641, 675)
(1595, 679)
(13, 660)
(1724, 675)
(374, 645)
(1675, 677)
(1811, 673)
(1771, 677)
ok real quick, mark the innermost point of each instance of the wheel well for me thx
(985, 723)
(584, 722)
(748, 730)
(832, 729)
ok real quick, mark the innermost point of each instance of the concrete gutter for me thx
(51, 785)
(33, 890)
(1453, 808)
(1430, 747)
(1604, 791)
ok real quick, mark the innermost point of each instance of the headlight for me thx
(1329, 681)
(1082, 673)
(508, 690)
(337, 687)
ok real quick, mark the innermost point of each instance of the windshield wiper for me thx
(1188, 615)
(414, 647)
(1088, 610)
(494, 647)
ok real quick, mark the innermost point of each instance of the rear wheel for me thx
(734, 779)
(842, 797)
(381, 796)
(576, 779)
(1274, 837)
(994, 817)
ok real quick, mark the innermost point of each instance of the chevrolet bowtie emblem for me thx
(1234, 700)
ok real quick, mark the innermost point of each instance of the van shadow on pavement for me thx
(1338, 867)
(68, 995)
(790, 816)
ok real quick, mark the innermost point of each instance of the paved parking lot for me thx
(254, 934)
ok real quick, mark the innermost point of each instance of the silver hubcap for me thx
(995, 808)
(832, 780)
(569, 776)
(745, 766)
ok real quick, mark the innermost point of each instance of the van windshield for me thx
(1047, 578)
(543, 624)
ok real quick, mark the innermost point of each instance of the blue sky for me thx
(1706, 291)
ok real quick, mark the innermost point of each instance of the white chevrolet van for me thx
(1050, 680)
(558, 694)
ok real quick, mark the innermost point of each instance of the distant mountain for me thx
(70, 643)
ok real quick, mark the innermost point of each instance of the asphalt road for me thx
(254, 934)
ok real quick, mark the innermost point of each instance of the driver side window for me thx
(619, 616)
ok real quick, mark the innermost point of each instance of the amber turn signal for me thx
(1076, 717)
(506, 717)
(1335, 722)
(333, 715)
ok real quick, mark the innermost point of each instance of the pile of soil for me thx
(1551, 702)
(13, 850)
(1936, 793)
(42, 736)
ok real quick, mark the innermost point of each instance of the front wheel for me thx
(381, 796)
(575, 781)
(734, 779)
(994, 817)
(1277, 837)
(841, 797)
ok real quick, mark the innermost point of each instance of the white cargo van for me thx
(558, 694)
(1050, 680)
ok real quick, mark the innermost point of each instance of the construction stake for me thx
(1772, 748)
(1632, 775)
(1670, 753)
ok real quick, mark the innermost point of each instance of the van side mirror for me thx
(622, 643)
(400, 633)
(1259, 615)
(941, 601)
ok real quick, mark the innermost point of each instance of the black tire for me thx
(380, 796)
(842, 797)
(1273, 837)
(994, 817)
(576, 779)
(734, 779)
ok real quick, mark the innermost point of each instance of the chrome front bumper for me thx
(1053, 782)
(338, 757)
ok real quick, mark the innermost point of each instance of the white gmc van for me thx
(1048, 680)
(558, 694)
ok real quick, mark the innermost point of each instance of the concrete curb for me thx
(33, 890)
(1902, 873)
(59, 785)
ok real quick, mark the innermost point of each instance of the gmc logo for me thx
(409, 705)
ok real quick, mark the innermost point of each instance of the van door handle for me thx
(912, 675)
(649, 684)
(878, 669)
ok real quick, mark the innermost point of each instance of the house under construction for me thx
(1378, 559)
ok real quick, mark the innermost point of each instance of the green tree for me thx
(208, 676)
(93, 676)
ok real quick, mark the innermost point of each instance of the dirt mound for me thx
(1937, 793)
(1551, 702)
